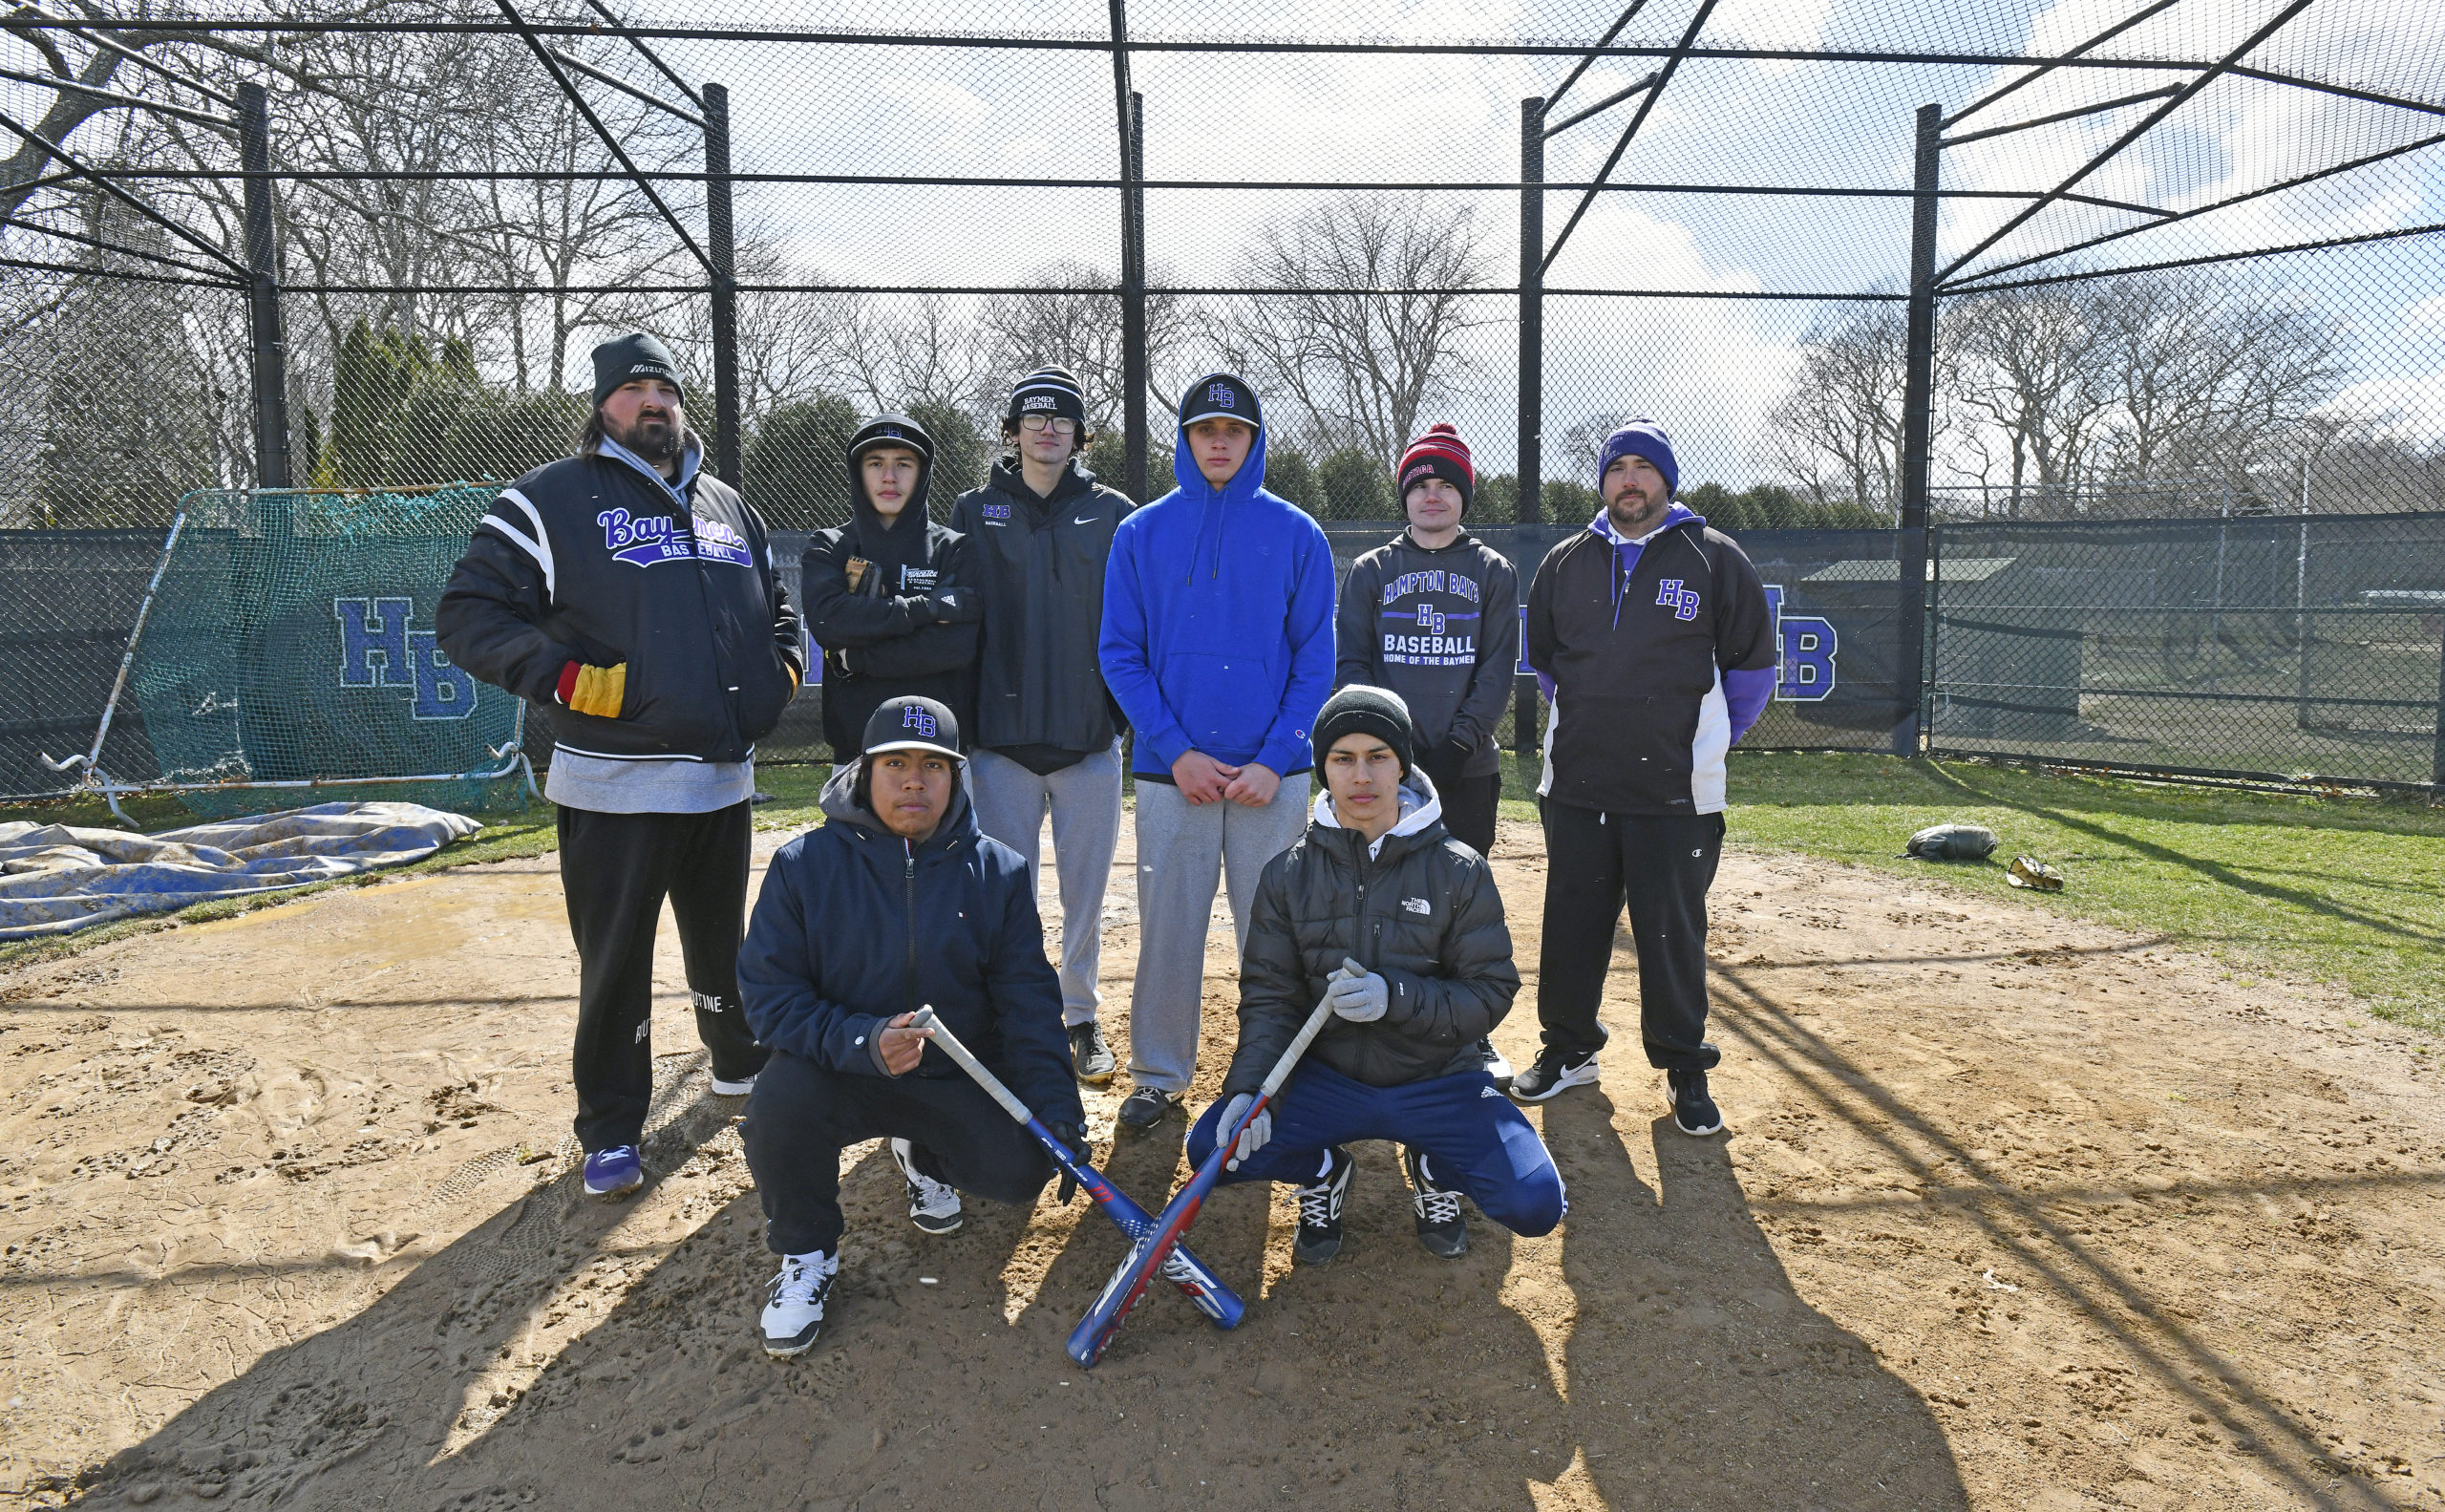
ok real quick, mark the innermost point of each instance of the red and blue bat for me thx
(1184, 1270)
(1153, 1254)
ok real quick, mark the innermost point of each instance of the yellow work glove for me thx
(597, 690)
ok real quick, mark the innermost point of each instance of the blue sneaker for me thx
(614, 1172)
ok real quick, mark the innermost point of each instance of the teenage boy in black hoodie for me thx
(897, 901)
(888, 596)
(1046, 731)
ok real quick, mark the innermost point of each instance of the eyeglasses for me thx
(1057, 424)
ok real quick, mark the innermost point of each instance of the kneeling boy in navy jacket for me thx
(899, 901)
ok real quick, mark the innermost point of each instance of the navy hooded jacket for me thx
(1218, 631)
(856, 926)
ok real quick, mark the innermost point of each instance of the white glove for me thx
(1357, 994)
(1253, 1137)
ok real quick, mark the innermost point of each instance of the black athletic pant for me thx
(1468, 802)
(1661, 864)
(615, 871)
(803, 1115)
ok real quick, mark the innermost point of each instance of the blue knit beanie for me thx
(1640, 438)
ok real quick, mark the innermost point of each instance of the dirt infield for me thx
(2011, 1213)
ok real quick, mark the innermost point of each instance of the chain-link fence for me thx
(2147, 261)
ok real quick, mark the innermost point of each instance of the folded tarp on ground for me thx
(56, 878)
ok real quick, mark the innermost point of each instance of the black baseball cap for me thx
(1221, 395)
(913, 723)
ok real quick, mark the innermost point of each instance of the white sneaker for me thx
(1497, 1064)
(734, 1089)
(794, 1304)
(932, 1206)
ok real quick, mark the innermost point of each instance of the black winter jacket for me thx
(590, 559)
(1423, 914)
(1040, 563)
(909, 626)
(856, 926)
(1441, 629)
(1637, 640)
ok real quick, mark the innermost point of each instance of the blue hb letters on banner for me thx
(1804, 648)
(377, 649)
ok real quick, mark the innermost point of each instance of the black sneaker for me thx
(1555, 1070)
(1145, 1107)
(1090, 1055)
(1497, 1064)
(1319, 1236)
(1693, 1112)
(1441, 1227)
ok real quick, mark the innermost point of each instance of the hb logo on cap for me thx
(1222, 395)
(915, 718)
(891, 431)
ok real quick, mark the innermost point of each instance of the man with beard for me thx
(1652, 635)
(630, 596)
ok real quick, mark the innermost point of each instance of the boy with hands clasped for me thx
(1399, 928)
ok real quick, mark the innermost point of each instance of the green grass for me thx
(2348, 890)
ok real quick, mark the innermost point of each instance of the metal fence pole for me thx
(2436, 762)
(1132, 297)
(721, 249)
(271, 351)
(1918, 405)
(1532, 308)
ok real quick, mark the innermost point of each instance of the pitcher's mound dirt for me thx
(2011, 1213)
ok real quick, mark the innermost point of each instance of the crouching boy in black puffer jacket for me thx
(1400, 928)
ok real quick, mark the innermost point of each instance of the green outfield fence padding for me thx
(293, 638)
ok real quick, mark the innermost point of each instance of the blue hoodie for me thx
(1218, 631)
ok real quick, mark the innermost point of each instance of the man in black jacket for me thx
(1047, 729)
(887, 595)
(1434, 614)
(897, 901)
(630, 596)
(1399, 926)
(1654, 635)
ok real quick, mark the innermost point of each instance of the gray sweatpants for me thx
(1085, 800)
(1183, 850)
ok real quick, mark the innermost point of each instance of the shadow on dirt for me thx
(1650, 1347)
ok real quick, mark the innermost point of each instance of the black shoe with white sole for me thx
(1145, 1107)
(794, 1304)
(1319, 1236)
(1497, 1064)
(1553, 1070)
(1693, 1112)
(933, 1205)
(1441, 1227)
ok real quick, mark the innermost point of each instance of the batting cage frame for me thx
(1891, 282)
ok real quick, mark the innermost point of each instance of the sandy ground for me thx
(2011, 1213)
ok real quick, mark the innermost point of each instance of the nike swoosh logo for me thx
(1084, 520)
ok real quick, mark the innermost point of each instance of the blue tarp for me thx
(58, 878)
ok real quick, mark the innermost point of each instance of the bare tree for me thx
(1380, 296)
(2210, 374)
(1052, 322)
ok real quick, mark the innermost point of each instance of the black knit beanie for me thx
(1048, 391)
(634, 356)
(1361, 710)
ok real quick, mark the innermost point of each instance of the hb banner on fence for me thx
(293, 638)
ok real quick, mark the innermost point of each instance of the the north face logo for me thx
(1682, 601)
(1222, 395)
(916, 717)
(1417, 906)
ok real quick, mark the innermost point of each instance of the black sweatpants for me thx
(615, 871)
(1661, 864)
(1468, 802)
(803, 1115)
